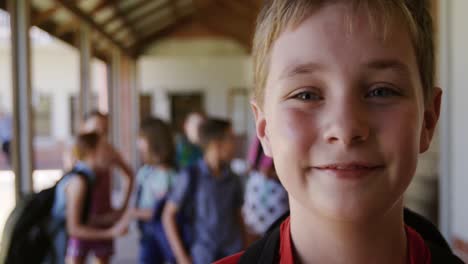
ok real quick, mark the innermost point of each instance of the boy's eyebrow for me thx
(384, 64)
(300, 68)
(379, 64)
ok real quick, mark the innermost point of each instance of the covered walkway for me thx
(134, 58)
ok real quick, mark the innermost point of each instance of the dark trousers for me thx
(6, 150)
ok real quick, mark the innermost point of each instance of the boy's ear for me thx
(261, 127)
(431, 116)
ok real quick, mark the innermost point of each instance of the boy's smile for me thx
(348, 171)
(344, 115)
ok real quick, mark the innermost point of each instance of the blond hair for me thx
(277, 15)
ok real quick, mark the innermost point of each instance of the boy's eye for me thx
(306, 96)
(382, 91)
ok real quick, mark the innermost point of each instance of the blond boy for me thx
(344, 103)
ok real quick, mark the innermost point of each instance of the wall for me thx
(55, 72)
(454, 140)
(212, 66)
(459, 124)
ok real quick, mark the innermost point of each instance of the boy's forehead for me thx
(336, 35)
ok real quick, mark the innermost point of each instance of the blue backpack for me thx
(161, 251)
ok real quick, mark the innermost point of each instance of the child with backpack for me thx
(102, 213)
(73, 198)
(154, 180)
(265, 198)
(215, 193)
(111, 158)
(344, 103)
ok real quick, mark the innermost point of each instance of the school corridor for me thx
(134, 59)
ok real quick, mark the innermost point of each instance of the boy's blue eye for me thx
(382, 92)
(306, 96)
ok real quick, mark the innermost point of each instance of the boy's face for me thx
(191, 127)
(225, 147)
(344, 115)
(96, 124)
(228, 146)
(143, 148)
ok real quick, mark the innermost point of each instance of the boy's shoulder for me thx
(266, 250)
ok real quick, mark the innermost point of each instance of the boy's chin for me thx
(350, 211)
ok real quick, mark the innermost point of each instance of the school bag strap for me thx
(57, 225)
(442, 256)
(89, 183)
(266, 249)
(89, 180)
(426, 229)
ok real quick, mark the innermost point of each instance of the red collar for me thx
(418, 252)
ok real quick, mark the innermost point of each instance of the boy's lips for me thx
(352, 170)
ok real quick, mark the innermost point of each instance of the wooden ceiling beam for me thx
(134, 7)
(125, 21)
(152, 24)
(69, 26)
(100, 6)
(69, 38)
(177, 14)
(87, 19)
(42, 16)
(256, 4)
(237, 8)
(225, 22)
(147, 13)
(150, 12)
(217, 26)
(48, 26)
(139, 47)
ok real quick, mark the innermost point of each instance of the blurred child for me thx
(188, 151)
(102, 209)
(70, 198)
(154, 180)
(215, 193)
(266, 200)
(344, 103)
(102, 213)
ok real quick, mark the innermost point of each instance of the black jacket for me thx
(266, 250)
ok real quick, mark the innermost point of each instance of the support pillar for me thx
(85, 71)
(22, 151)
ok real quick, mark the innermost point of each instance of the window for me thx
(42, 117)
(238, 108)
(74, 112)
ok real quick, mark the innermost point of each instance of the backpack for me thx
(162, 251)
(266, 249)
(30, 229)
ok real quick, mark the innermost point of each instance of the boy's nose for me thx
(347, 126)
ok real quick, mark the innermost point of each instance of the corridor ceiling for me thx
(133, 25)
